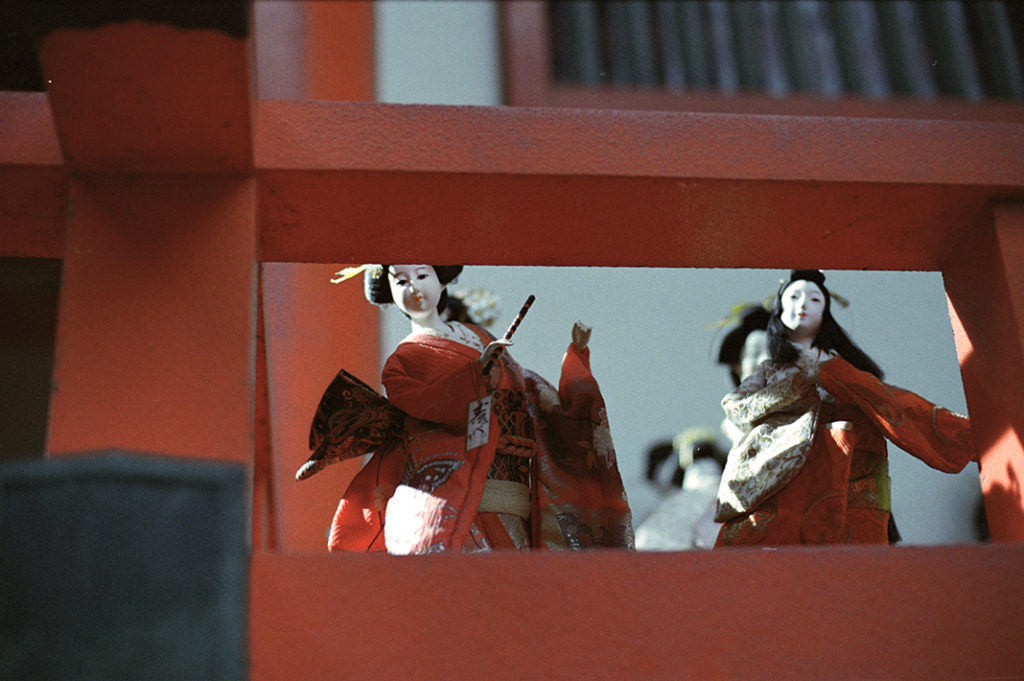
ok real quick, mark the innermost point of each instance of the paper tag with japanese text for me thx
(478, 423)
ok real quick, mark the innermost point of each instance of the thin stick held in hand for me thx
(511, 330)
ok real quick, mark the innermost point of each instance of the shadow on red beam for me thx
(315, 216)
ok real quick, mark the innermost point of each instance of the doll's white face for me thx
(415, 289)
(803, 306)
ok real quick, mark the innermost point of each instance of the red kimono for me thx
(812, 467)
(527, 478)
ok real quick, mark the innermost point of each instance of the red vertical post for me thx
(339, 51)
(313, 328)
(984, 279)
(156, 326)
(155, 342)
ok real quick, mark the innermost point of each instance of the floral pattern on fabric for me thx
(777, 410)
(562, 454)
(351, 420)
(841, 491)
(430, 475)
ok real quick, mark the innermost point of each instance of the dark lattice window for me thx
(830, 48)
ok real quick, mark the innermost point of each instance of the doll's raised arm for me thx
(929, 432)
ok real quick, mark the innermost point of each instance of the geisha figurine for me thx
(471, 451)
(811, 467)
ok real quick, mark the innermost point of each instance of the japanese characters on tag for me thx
(478, 422)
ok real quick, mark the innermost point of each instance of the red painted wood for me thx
(150, 97)
(509, 185)
(625, 99)
(155, 343)
(34, 181)
(551, 142)
(29, 138)
(313, 329)
(833, 613)
(984, 283)
(526, 45)
(339, 50)
(539, 220)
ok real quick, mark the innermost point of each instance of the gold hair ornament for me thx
(349, 272)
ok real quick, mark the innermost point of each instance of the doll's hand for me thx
(580, 335)
(492, 351)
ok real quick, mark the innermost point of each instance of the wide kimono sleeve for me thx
(931, 433)
(769, 390)
(433, 380)
(777, 410)
(579, 494)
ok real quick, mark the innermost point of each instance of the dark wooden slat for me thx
(954, 63)
(859, 41)
(812, 50)
(721, 47)
(576, 41)
(907, 57)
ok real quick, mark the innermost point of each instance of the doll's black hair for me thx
(831, 336)
(753, 318)
(378, 290)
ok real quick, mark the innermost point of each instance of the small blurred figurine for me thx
(471, 451)
(684, 519)
(742, 350)
(811, 467)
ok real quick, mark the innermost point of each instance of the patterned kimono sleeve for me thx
(768, 390)
(432, 383)
(931, 433)
(576, 385)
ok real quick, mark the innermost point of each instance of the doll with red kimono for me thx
(811, 465)
(470, 451)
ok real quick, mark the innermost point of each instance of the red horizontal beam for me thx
(534, 220)
(840, 613)
(504, 140)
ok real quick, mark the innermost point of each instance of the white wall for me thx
(437, 52)
(651, 353)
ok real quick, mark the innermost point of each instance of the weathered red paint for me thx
(155, 343)
(947, 613)
(553, 142)
(150, 98)
(313, 329)
(985, 286)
